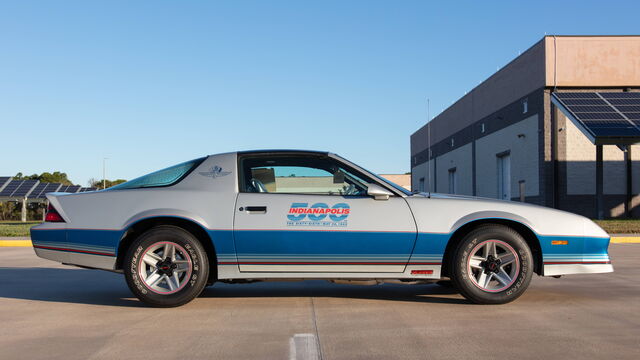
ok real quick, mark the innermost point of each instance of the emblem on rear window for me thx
(318, 214)
(215, 172)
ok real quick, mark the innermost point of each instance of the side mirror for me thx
(378, 192)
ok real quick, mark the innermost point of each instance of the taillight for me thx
(53, 215)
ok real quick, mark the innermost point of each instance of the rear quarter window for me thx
(165, 177)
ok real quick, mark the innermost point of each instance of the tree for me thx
(55, 177)
(96, 183)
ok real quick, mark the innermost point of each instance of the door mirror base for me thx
(378, 192)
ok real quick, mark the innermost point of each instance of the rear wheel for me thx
(166, 267)
(492, 265)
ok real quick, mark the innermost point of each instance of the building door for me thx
(452, 181)
(504, 177)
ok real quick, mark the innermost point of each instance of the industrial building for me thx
(554, 127)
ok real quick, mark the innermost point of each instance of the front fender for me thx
(482, 215)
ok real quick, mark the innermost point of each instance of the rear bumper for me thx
(63, 245)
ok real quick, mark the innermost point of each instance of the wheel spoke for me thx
(169, 251)
(484, 279)
(153, 279)
(507, 258)
(151, 260)
(170, 282)
(181, 268)
(503, 277)
(475, 261)
(491, 249)
(154, 255)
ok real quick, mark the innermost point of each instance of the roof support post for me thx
(599, 183)
(24, 209)
(629, 198)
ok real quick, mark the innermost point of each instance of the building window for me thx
(453, 181)
(421, 185)
(525, 106)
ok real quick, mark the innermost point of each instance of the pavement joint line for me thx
(315, 326)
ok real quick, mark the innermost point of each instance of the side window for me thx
(300, 175)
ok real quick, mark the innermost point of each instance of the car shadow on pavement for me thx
(430, 293)
(95, 287)
(66, 285)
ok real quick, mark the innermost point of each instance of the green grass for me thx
(621, 226)
(16, 228)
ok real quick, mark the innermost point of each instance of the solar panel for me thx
(603, 114)
(3, 181)
(25, 188)
(37, 190)
(63, 188)
(578, 95)
(85, 189)
(621, 95)
(10, 188)
(49, 187)
(628, 108)
(591, 108)
(585, 102)
(73, 188)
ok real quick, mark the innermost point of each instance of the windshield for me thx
(164, 177)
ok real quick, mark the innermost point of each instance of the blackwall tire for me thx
(166, 267)
(492, 265)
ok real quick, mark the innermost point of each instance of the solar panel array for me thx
(34, 189)
(604, 114)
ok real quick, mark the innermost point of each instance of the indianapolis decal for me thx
(215, 172)
(318, 214)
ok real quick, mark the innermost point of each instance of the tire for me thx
(492, 265)
(166, 281)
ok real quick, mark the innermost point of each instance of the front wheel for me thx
(166, 267)
(492, 265)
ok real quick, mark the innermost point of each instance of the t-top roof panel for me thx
(604, 117)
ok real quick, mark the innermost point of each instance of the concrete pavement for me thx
(51, 311)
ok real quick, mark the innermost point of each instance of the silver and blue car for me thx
(267, 215)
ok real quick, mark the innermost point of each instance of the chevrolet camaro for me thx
(285, 214)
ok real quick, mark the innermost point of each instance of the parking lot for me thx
(51, 311)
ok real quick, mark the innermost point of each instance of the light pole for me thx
(104, 173)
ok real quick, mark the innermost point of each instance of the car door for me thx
(311, 213)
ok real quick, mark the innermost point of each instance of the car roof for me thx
(289, 151)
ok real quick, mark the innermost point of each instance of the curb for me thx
(625, 239)
(15, 243)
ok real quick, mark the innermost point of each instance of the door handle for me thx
(255, 209)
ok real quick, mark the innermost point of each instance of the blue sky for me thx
(155, 83)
